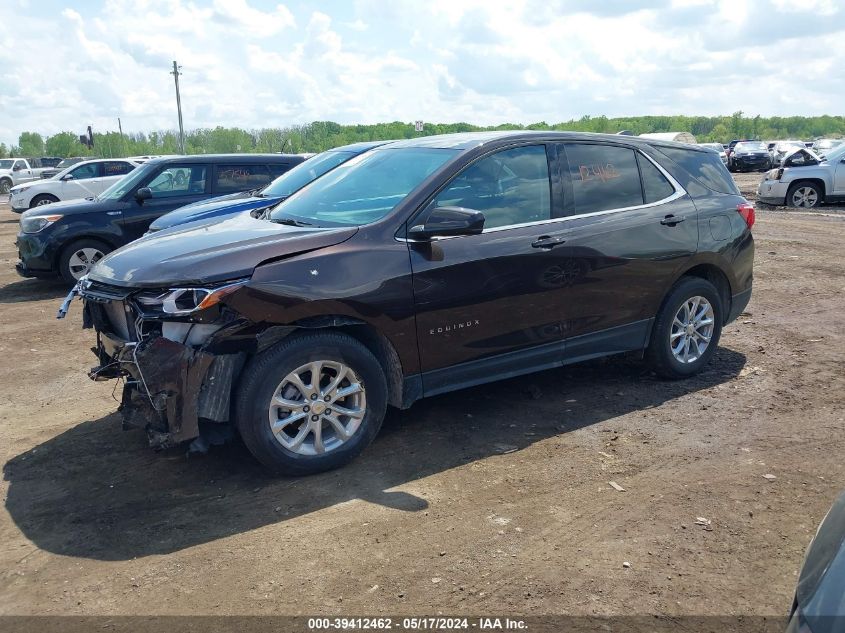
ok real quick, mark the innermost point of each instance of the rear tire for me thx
(295, 425)
(687, 329)
(78, 257)
(40, 201)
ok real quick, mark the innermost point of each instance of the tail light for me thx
(746, 210)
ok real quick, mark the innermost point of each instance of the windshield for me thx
(6, 164)
(129, 182)
(307, 171)
(835, 154)
(363, 189)
(751, 147)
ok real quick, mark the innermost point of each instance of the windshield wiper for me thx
(289, 222)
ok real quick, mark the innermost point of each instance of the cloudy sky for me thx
(262, 63)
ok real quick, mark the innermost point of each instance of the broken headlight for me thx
(184, 301)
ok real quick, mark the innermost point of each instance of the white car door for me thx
(22, 172)
(79, 183)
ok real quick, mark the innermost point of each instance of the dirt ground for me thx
(491, 500)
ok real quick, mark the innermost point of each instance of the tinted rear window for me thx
(706, 167)
(603, 177)
(655, 185)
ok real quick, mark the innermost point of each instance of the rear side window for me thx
(655, 184)
(117, 168)
(603, 177)
(705, 167)
(232, 178)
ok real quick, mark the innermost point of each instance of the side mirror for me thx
(144, 193)
(17, 167)
(67, 177)
(448, 221)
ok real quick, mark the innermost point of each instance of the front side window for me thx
(603, 177)
(232, 178)
(509, 187)
(84, 172)
(20, 165)
(179, 180)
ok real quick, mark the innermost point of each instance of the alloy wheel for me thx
(81, 261)
(692, 329)
(317, 408)
(805, 197)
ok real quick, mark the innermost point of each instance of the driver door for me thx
(173, 185)
(488, 304)
(839, 177)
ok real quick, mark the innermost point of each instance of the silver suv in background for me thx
(782, 149)
(824, 145)
(805, 180)
(718, 148)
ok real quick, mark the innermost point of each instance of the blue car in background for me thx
(282, 187)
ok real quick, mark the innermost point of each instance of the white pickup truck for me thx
(15, 171)
(86, 179)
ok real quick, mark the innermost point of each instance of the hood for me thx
(74, 207)
(209, 209)
(210, 252)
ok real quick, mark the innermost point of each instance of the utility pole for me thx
(122, 146)
(176, 74)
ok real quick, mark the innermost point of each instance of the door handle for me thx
(672, 220)
(548, 241)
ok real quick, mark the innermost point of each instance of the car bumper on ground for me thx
(772, 191)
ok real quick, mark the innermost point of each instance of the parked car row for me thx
(69, 237)
(377, 275)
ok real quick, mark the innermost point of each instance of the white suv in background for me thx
(82, 180)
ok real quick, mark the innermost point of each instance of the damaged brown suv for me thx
(418, 268)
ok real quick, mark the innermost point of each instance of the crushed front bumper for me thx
(169, 385)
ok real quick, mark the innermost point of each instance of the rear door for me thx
(632, 228)
(489, 304)
(113, 170)
(173, 185)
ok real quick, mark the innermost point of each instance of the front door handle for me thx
(672, 220)
(548, 241)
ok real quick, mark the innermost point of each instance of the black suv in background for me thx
(74, 235)
(417, 268)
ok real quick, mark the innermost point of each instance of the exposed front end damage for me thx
(173, 362)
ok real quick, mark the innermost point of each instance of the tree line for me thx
(322, 135)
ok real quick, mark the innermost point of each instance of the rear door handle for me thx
(672, 220)
(548, 241)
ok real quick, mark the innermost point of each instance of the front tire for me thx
(40, 201)
(78, 257)
(311, 403)
(5, 185)
(687, 329)
(804, 195)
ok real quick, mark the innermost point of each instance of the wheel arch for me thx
(371, 338)
(813, 180)
(78, 238)
(716, 276)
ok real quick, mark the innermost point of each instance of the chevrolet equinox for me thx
(414, 269)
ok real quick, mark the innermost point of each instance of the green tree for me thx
(3, 151)
(64, 144)
(31, 144)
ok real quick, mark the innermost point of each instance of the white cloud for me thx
(261, 63)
